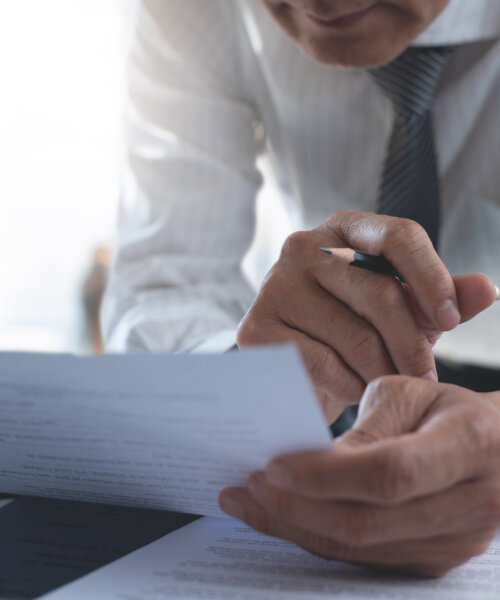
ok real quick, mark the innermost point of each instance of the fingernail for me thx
(231, 506)
(257, 485)
(448, 316)
(430, 375)
(279, 475)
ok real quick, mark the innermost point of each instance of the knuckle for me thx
(405, 232)
(278, 280)
(382, 392)
(393, 479)
(248, 332)
(358, 436)
(481, 433)
(367, 347)
(322, 368)
(343, 215)
(295, 244)
(264, 313)
(355, 529)
(345, 221)
(417, 355)
(388, 296)
(276, 287)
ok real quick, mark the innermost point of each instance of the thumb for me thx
(475, 292)
(391, 406)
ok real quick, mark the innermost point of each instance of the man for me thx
(354, 123)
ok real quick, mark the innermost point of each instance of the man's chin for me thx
(352, 53)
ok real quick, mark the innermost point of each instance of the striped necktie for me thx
(410, 186)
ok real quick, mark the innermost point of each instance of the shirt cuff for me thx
(219, 342)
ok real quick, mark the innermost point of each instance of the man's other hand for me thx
(414, 486)
(352, 325)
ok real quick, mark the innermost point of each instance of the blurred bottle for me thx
(93, 287)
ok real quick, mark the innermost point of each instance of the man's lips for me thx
(341, 22)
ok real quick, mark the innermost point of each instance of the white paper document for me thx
(152, 431)
(221, 559)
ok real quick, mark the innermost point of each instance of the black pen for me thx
(379, 264)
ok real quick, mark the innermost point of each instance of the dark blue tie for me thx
(410, 185)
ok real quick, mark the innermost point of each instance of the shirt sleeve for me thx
(186, 216)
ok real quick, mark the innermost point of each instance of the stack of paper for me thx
(165, 432)
(169, 432)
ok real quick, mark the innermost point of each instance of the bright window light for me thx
(61, 65)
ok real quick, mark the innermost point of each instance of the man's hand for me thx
(414, 486)
(352, 325)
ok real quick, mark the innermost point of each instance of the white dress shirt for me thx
(215, 84)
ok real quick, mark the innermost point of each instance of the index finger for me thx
(387, 472)
(408, 247)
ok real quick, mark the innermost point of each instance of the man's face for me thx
(354, 33)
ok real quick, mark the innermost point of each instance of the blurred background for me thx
(62, 65)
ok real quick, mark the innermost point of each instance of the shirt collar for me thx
(463, 21)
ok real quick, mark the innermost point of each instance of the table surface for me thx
(45, 544)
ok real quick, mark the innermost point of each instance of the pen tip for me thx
(497, 290)
(328, 251)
